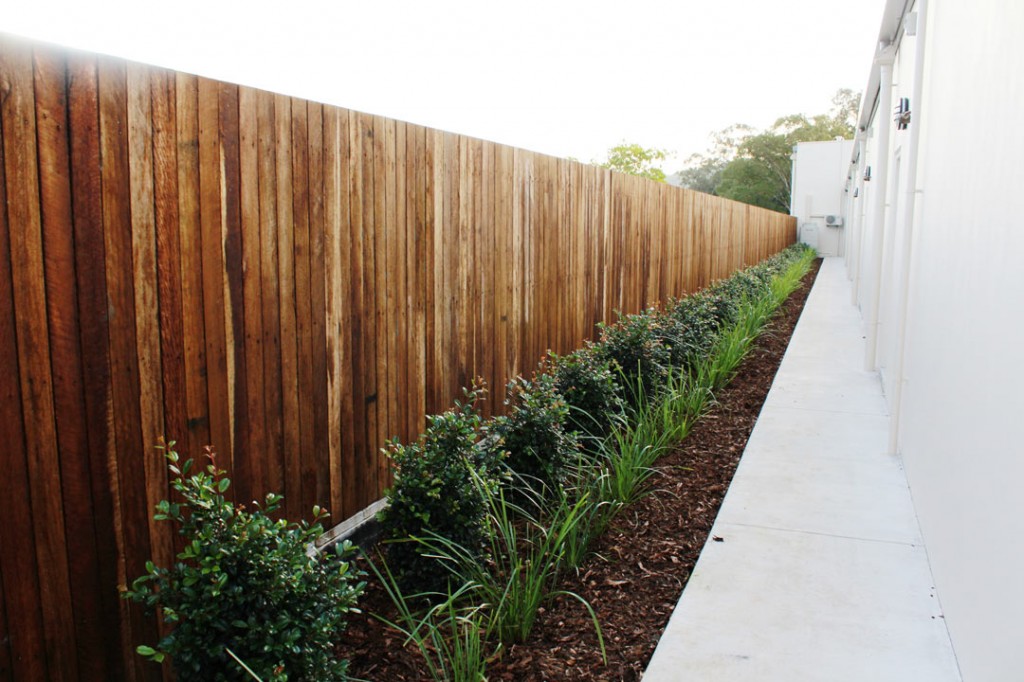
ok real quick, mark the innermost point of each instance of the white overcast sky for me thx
(565, 78)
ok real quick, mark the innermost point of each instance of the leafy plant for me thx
(246, 587)
(633, 344)
(692, 326)
(516, 576)
(538, 447)
(680, 404)
(449, 635)
(586, 381)
(441, 484)
(629, 456)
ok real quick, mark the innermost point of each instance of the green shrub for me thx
(441, 484)
(245, 583)
(745, 285)
(539, 448)
(672, 332)
(634, 345)
(694, 326)
(586, 382)
(722, 304)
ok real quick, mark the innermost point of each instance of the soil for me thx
(638, 569)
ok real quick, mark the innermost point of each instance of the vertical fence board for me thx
(144, 285)
(128, 444)
(90, 259)
(354, 320)
(337, 256)
(213, 272)
(270, 292)
(191, 247)
(333, 301)
(377, 287)
(18, 567)
(394, 203)
(414, 268)
(434, 158)
(233, 287)
(25, 230)
(286, 284)
(252, 290)
(65, 354)
(318, 304)
(168, 246)
(303, 302)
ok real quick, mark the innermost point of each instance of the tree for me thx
(756, 166)
(635, 160)
(702, 173)
(752, 182)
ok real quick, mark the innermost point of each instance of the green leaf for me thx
(223, 485)
(150, 653)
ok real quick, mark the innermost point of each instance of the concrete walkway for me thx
(821, 573)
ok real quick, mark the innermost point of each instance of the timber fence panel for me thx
(289, 282)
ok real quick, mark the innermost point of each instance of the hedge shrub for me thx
(245, 582)
(538, 446)
(441, 487)
(634, 345)
(586, 381)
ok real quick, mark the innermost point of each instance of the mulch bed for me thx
(638, 569)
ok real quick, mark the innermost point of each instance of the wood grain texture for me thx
(233, 285)
(286, 286)
(291, 282)
(252, 291)
(218, 377)
(86, 186)
(318, 306)
(25, 229)
(270, 292)
(20, 575)
(191, 252)
(304, 336)
(127, 455)
(66, 356)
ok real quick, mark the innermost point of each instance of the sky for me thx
(559, 77)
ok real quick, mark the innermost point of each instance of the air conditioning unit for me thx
(834, 220)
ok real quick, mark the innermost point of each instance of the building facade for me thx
(933, 205)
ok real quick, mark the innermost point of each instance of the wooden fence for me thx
(290, 282)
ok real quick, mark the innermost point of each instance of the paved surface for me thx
(821, 573)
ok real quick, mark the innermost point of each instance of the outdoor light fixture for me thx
(902, 114)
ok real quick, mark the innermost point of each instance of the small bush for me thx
(695, 327)
(672, 332)
(745, 285)
(245, 583)
(441, 484)
(635, 346)
(539, 448)
(586, 382)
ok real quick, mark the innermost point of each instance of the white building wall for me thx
(958, 416)
(819, 169)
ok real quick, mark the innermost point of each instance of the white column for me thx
(880, 182)
(908, 226)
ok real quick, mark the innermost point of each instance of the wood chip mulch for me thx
(638, 569)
